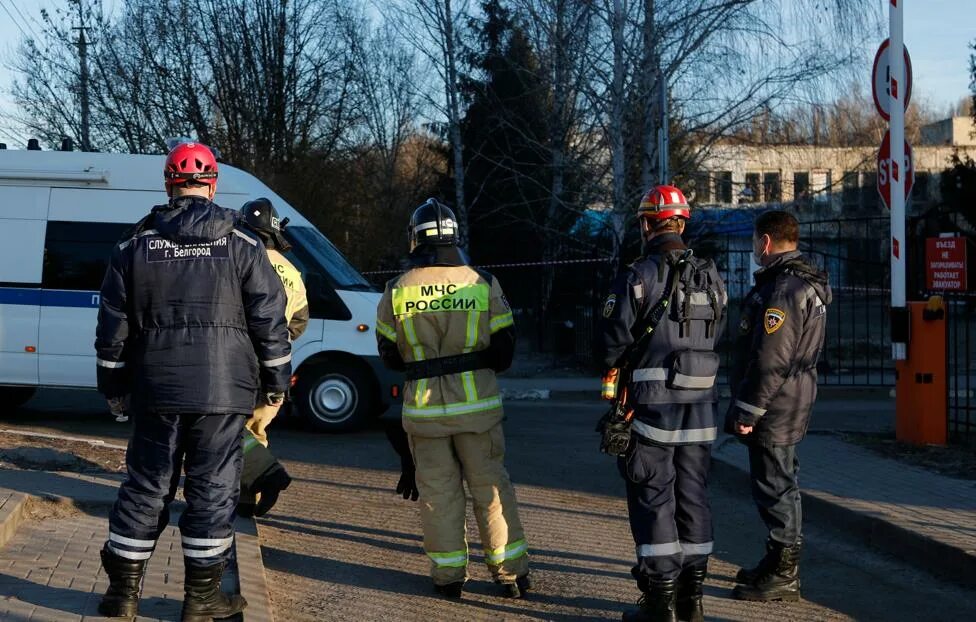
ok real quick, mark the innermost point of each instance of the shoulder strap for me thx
(656, 314)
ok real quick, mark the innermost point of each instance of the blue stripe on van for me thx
(48, 297)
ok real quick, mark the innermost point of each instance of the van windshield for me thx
(312, 245)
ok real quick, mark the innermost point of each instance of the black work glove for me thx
(407, 486)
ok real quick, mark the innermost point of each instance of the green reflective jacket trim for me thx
(440, 298)
(385, 330)
(470, 390)
(470, 341)
(512, 551)
(451, 559)
(449, 410)
(502, 321)
(412, 341)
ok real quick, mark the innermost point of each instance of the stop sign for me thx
(885, 170)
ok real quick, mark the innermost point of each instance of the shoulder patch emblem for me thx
(774, 319)
(609, 305)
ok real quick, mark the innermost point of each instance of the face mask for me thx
(757, 255)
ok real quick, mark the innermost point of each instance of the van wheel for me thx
(335, 399)
(15, 397)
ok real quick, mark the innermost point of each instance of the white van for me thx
(60, 215)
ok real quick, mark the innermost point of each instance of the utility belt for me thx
(457, 364)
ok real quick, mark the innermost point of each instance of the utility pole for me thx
(83, 77)
(663, 132)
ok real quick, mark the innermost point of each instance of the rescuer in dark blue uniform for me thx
(774, 386)
(192, 327)
(672, 391)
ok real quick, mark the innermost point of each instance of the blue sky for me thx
(937, 33)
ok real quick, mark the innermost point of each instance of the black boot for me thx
(121, 600)
(780, 581)
(450, 590)
(749, 575)
(656, 605)
(519, 588)
(689, 600)
(203, 600)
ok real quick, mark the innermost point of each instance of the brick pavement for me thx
(50, 569)
(924, 517)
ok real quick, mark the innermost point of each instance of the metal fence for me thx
(961, 366)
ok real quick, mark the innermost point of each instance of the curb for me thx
(13, 506)
(251, 577)
(943, 560)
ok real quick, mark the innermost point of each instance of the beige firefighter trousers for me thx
(441, 464)
(258, 422)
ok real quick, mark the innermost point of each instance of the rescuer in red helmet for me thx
(660, 324)
(191, 329)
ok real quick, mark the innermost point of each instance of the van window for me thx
(76, 254)
(312, 246)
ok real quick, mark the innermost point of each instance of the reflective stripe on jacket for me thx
(439, 311)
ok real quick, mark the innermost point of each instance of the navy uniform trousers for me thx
(208, 447)
(667, 499)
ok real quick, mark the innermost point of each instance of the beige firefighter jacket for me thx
(296, 309)
(439, 311)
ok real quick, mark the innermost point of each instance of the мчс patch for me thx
(774, 319)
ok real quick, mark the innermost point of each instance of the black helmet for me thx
(263, 219)
(433, 223)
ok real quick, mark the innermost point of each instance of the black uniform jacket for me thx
(192, 315)
(781, 334)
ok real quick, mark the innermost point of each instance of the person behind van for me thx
(261, 216)
(191, 325)
(449, 327)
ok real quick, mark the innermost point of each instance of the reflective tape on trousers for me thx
(699, 435)
(658, 550)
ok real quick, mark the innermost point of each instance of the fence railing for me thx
(961, 366)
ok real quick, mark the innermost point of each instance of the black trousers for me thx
(208, 447)
(667, 501)
(776, 490)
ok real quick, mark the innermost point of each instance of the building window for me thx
(703, 188)
(850, 190)
(869, 191)
(772, 188)
(750, 192)
(723, 188)
(801, 188)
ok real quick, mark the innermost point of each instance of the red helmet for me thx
(663, 202)
(190, 162)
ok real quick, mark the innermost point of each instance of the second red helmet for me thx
(663, 202)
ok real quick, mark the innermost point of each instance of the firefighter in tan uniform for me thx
(262, 218)
(450, 329)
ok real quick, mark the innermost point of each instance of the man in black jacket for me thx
(774, 385)
(192, 327)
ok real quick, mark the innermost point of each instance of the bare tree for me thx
(434, 29)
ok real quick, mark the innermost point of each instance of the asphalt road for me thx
(341, 545)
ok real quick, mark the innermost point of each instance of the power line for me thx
(26, 21)
(14, 20)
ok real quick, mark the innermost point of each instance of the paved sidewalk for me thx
(923, 517)
(50, 568)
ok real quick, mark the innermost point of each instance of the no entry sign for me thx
(945, 264)
(881, 83)
(887, 168)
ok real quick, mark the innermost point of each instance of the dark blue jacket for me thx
(192, 315)
(672, 384)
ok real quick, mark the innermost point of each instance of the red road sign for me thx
(881, 81)
(945, 264)
(886, 169)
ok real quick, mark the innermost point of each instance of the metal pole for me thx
(897, 91)
(663, 139)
